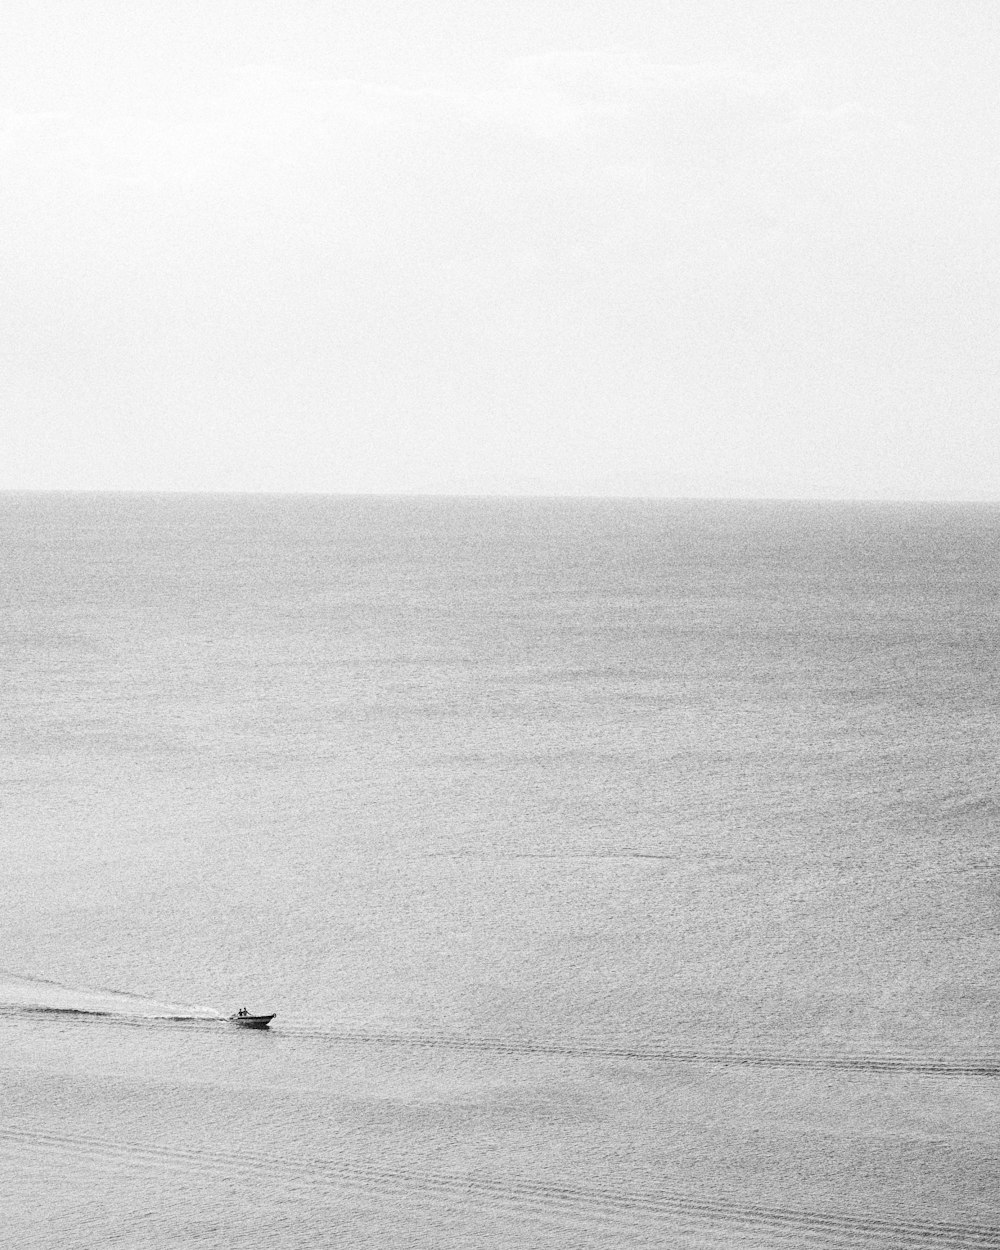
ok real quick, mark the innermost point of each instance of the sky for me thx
(701, 249)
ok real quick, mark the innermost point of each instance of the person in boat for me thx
(243, 1012)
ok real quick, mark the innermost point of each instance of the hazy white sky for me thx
(696, 248)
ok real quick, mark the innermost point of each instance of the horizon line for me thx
(483, 495)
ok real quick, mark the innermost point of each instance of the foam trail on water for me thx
(27, 993)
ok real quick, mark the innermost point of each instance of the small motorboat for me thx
(247, 1021)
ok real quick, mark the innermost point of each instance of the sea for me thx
(620, 873)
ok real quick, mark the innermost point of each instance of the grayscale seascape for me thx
(622, 873)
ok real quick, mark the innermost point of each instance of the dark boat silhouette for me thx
(247, 1021)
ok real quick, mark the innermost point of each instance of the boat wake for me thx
(851, 1061)
(25, 995)
(31, 997)
(684, 1216)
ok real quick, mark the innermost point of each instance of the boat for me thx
(247, 1021)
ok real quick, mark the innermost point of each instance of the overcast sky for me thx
(543, 246)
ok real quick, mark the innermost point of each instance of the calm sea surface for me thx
(622, 873)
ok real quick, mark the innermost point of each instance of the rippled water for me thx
(622, 873)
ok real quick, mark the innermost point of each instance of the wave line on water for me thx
(983, 1066)
(717, 1212)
